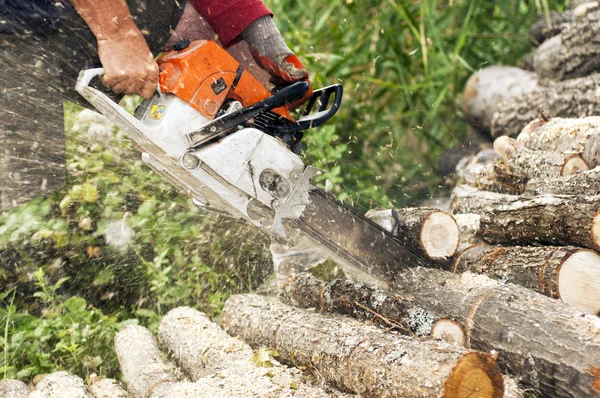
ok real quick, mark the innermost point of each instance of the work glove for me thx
(272, 53)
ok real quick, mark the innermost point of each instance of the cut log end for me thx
(449, 331)
(579, 281)
(505, 145)
(440, 236)
(574, 165)
(475, 375)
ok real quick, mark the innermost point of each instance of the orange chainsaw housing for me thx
(205, 76)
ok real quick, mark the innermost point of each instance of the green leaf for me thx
(75, 305)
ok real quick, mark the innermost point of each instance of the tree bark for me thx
(531, 164)
(553, 220)
(13, 389)
(580, 136)
(107, 388)
(358, 300)
(554, 348)
(568, 273)
(430, 232)
(469, 226)
(543, 29)
(583, 183)
(61, 385)
(575, 52)
(361, 358)
(466, 199)
(570, 98)
(491, 86)
(482, 172)
(141, 361)
(210, 357)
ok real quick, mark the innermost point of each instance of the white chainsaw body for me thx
(247, 174)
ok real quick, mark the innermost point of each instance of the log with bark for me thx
(491, 86)
(583, 183)
(430, 232)
(467, 199)
(13, 389)
(107, 388)
(550, 345)
(469, 226)
(358, 300)
(545, 27)
(560, 135)
(567, 99)
(548, 219)
(575, 52)
(142, 362)
(531, 164)
(362, 358)
(479, 172)
(568, 273)
(214, 363)
(61, 385)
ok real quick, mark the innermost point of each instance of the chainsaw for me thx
(216, 133)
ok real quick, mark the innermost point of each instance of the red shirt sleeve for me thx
(229, 18)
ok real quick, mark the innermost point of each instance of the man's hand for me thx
(127, 60)
(129, 66)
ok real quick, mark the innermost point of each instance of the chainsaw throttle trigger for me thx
(316, 116)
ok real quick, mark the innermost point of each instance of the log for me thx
(361, 358)
(532, 164)
(107, 388)
(551, 346)
(545, 28)
(487, 172)
(450, 331)
(141, 361)
(61, 385)
(478, 171)
(469, 226)
(13, 389)
(583, 183)
(511, 389)
(212, 358)
(359, 301)
(580, 136)
(548, 219)
(568, 273)
(430, 232)
(491, 86)
(575, 52)
(571, 98)
(467, 199)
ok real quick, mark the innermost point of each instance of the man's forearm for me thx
(106, 18)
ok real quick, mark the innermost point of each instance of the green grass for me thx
(403, 64)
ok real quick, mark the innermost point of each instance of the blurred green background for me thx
(118, 242)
